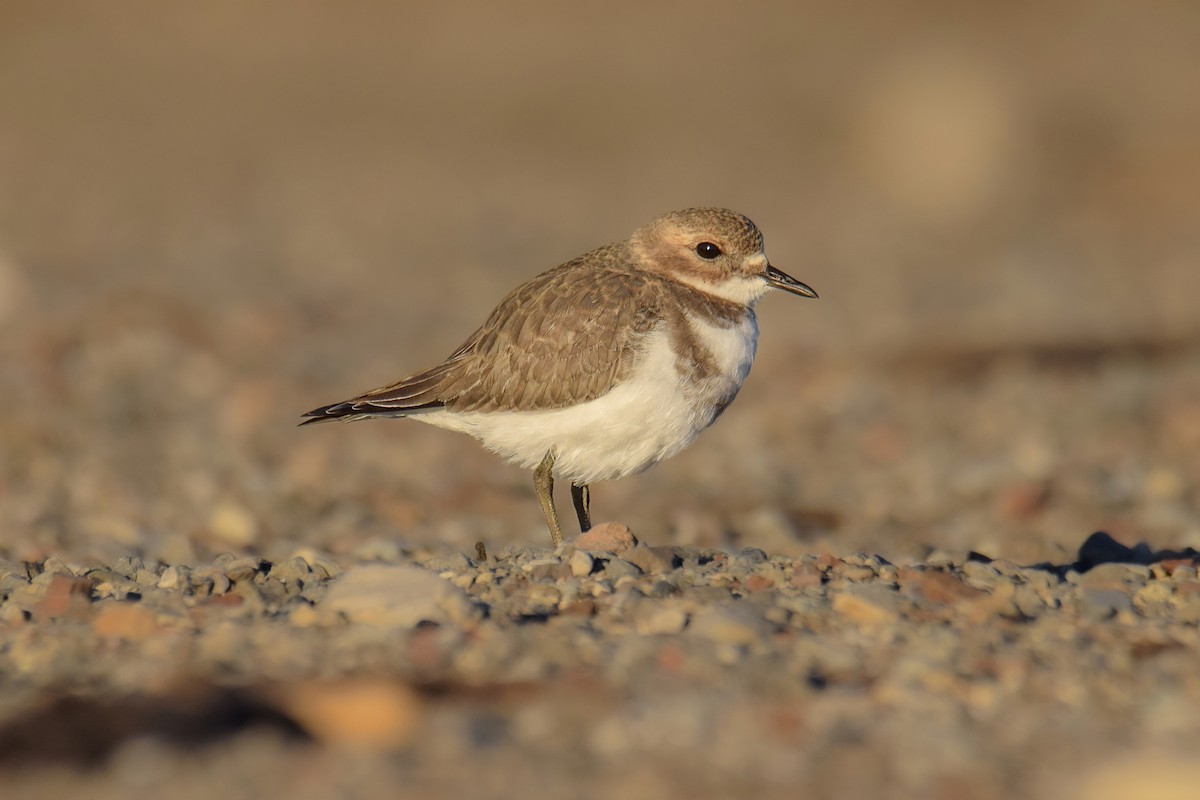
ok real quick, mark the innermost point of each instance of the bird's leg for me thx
(581, 496)
(543, 482)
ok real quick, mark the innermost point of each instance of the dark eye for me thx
(707, 250)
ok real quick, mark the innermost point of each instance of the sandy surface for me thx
(873, 577)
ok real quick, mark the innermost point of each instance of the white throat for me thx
(744, 290)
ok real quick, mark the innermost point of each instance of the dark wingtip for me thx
(360, 409)
(325, 414)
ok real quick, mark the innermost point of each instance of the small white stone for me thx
(661, 620)
(581, 564)
(390, 596)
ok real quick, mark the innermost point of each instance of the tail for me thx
(413, 395)
(354, 410)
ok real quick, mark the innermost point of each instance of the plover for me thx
(605, 365)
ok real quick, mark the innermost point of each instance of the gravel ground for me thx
(622, 664)
(879, 575)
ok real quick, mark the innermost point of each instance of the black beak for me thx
(781, 280)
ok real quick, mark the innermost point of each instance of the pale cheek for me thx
(744, 290)
(755, 265)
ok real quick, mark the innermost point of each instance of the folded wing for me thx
(563, 338)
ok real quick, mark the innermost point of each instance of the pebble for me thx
(607, 537)
(1187, 610)
(581, 563)
(1103, 603)
(64, 596)
(363, 714)
(1153, 598)
(661, 620)
(210, 581)
(806, 576)
(759, 583)
(126, 566)
(615, 568)
(11, 584)
(1109, 573)
(540, 600)
(751, 557)
(389, 596)
(124, 620)
(448, 562)
(242, 568)
(866, 606)
(738, 625)
(295, 568)
(981, 576)
(934, 587)
(109, 583)
(853, 573)
(548, 571)
(650, 560)
(15, 569)
(1027, 602)
(661, 589)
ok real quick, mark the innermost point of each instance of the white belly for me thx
(650, 416)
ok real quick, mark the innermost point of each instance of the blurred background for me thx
(216, 216)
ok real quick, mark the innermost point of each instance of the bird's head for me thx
(712, 249)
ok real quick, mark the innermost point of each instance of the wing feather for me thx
(562, 339)
(565, 337)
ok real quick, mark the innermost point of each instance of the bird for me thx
(605, 365)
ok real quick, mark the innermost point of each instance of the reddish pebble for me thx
(805, 576)
(124, 621)
(941, 588)
(607, 537)
(827, 561)
(65, 596)
(759, 583)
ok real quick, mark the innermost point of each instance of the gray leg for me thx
(581, 496)
(543, 482)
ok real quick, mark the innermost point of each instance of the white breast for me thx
(650, 416)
